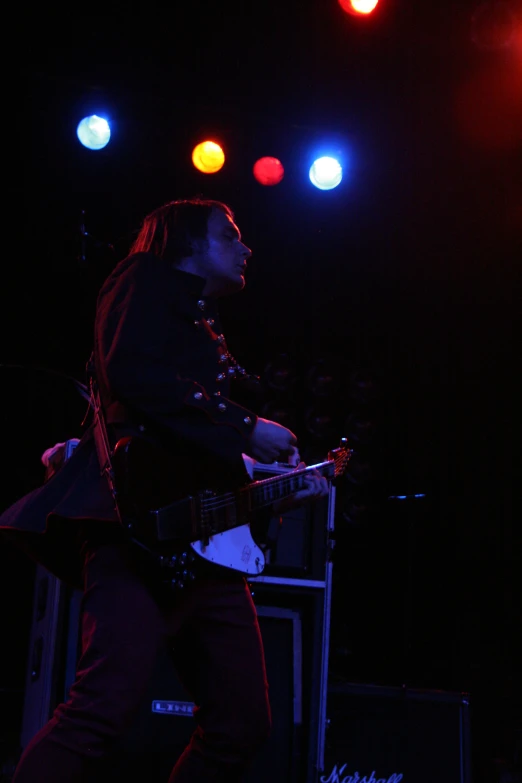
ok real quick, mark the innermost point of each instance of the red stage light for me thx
(268, 171)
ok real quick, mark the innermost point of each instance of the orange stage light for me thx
(208, 157)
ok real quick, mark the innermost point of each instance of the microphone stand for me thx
(84, 236)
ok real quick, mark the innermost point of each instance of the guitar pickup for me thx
(177, 521)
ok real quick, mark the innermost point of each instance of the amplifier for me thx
(382, 734)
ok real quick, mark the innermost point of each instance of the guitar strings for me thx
(229, 499)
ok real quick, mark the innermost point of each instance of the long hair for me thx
(168, 230)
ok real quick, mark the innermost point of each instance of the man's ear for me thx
(198, 246)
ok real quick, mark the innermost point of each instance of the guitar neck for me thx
(268, 491)
(223, 512)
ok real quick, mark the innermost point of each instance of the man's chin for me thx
(237, 283)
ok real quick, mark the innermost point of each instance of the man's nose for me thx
(245, 251)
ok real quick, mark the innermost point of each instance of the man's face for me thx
(221, 258)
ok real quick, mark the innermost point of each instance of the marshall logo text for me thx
(338, 775)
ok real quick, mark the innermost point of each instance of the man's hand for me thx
(316, 487)
(271, 442)
(53, 457)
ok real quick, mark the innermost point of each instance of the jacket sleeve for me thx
(137, 329)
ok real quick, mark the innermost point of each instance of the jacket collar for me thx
(193, 284)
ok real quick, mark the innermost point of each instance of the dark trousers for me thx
(214, 636)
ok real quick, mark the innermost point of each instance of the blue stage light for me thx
(94, 132)
(326, 173)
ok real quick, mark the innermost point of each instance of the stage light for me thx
(493, 25)
(362, 387)
(94, 132)
(322, 378)
(268, 171)
(326, 173)
(208, 157)
(280, 373)
(320, 422)
(358, 7)
(359, 429)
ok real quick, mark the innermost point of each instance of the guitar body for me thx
(179, 509)
(235, 549)
(160, 497)
(149, 476)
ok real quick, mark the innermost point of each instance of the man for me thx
(163, 372)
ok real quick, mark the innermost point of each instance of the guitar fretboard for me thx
(223, 512)
(267, 491)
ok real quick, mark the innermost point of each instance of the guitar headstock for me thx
(340, 456)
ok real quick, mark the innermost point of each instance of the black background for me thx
(407, 274)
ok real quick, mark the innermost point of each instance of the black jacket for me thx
(161, 363)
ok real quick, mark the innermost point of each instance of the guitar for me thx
(209, 519)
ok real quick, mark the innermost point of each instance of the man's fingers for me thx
(317, 485)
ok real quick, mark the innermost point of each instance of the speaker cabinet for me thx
(165, 723)
(387, 735)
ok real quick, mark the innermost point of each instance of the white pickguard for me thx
(234, 548)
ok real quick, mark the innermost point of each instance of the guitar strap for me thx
(174, 576)
(101, 438)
